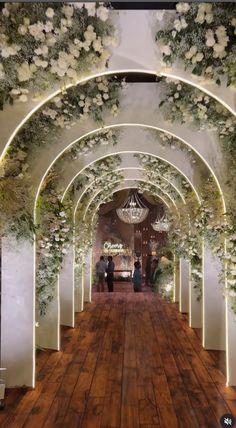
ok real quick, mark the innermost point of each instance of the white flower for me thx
(91, 8)
(182, 7)
(89, 34)
(173, 33)
(102, 13)
(192, 51)
(49, 12)
(97, 46)
(22, 29)
(48, 27)
(68, 11)
(5, 12)
(36, 30)
(166, 50)
(23, 99)
(2, 73)
(50, 113)
(183, 23)
(24, 72)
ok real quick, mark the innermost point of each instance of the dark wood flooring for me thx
(131, 362)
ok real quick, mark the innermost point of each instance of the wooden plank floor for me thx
(131, 362)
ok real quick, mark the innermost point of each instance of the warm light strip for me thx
(110, 73)
(133, 125)
(117, 170)
(126, 180)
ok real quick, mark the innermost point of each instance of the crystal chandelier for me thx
(133, 211)
(161, 224)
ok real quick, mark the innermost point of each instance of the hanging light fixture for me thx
(133, 211)
(161, 224)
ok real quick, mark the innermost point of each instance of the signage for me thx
(112, 248)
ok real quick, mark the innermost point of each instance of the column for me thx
(48, 330)
(176, 279)
(213, 303)
(78, 288)
(195, 305)
(18, 312)
(230, 344)
(184, 286)
(88, 272)
(66, 286)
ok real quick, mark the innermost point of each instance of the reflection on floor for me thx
(132, 361)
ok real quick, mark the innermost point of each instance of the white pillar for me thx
(18, 312)
(213, 303)
(195, 305)
(230, 344)
(48, 331)
(184, 286)
(66, 287)
(87, 272)
(78, 289)
(176, 279)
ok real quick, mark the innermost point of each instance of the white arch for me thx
(110, 73)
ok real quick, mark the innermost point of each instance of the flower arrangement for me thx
(157, 167)
(55, 229)
(43, 45)
(202, 36)
(44, 128)
(165, 279)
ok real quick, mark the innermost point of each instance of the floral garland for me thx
(90, 100)
(165, 279)
(165, 170)
(85, 227)
(53, 239)
(55, 230)
(202, 35)
(46, 44)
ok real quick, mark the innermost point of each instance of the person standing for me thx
(100, 272)
(110, 273)
(137, 277)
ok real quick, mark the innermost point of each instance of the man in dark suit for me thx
(110, 273)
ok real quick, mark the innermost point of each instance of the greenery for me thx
(202, 36)
(42, 129)
(164, 284)
(43, 45)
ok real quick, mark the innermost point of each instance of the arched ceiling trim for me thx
(90, 133)
(117, 190)
(135, 181)
(110, 73)
(91, 185)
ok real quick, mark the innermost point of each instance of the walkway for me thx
(132, 362)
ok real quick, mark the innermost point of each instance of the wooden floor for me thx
(131, 361)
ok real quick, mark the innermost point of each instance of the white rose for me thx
(97, 46)
(5, 12)
(22, 29)
(90, 35)
(102, 13)
(2, 73)
(49, 12)
(182, 7)
(68, 11)
(199, 57)
(48, 27)
(166, 50)
(91, 8)
(24, 72)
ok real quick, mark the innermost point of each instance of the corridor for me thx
(132, 361)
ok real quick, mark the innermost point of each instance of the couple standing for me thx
(101, 268)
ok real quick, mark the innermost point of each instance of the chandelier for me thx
(133, 211)
(161, 224)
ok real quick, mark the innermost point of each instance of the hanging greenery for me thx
(56, 226)
(43, 45)
(202, 36)
(44, 129)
